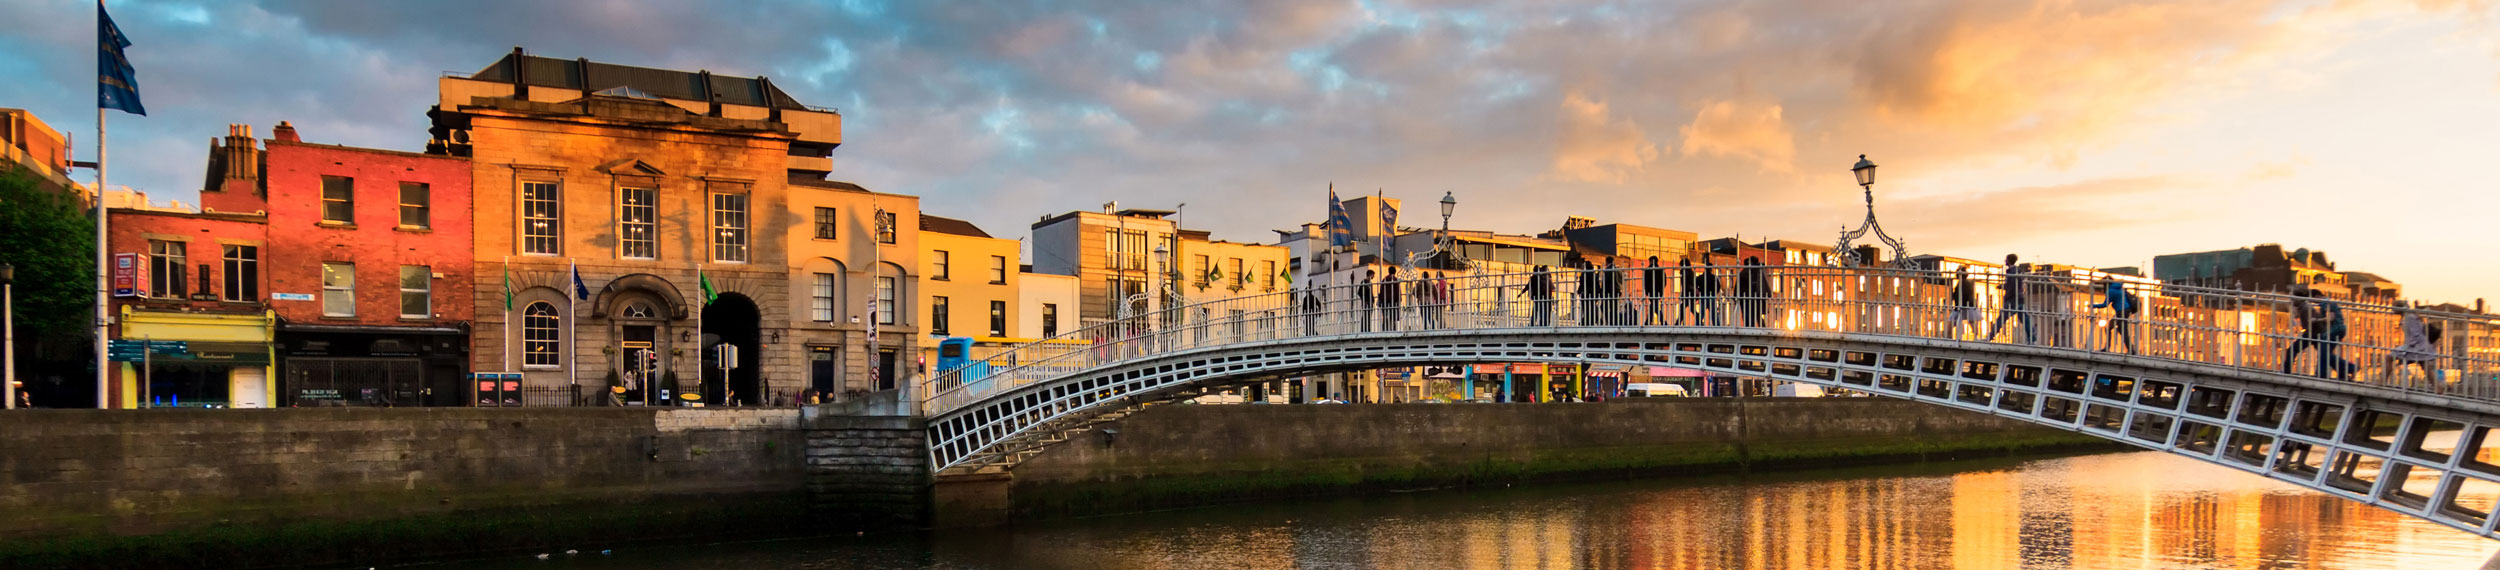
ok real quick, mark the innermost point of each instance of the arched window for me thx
(539, 338)
(636, 310)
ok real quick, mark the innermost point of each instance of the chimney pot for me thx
(285, 132)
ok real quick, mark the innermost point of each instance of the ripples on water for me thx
(2128, 510)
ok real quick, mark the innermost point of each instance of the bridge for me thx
(2223, 376)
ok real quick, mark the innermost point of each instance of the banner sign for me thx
(130, 275)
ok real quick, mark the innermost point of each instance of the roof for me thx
(945, 225)
(665, 83)
(813, 182)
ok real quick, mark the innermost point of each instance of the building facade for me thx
(192, 277)
(676, 198)
(367, 266)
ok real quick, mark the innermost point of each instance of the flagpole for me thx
(103, 267)
(508, 343)
(573, 348)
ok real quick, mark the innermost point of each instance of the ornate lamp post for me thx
(1865, 171)
(1449, 203)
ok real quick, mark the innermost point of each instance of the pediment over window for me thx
(630, 167)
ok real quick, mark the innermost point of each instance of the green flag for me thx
(507, 288)
(1287, 274)
(706, 282)
(1215, 274)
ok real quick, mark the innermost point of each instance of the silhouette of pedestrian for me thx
(2015, 288)
(2122, 307)
(1654, 293)
(1389, 292)
(1753, 290)
(1540, 293)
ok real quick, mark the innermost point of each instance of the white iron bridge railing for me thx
(2365, 341)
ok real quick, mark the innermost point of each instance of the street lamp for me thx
(1449, 203)
(1865, 172)
(8, 335)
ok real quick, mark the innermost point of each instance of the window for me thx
(165, 264)
(826, 223)
(539, 338)
(416, 205)
(998, 318)
(1050, 320)
(1200, 271)
(338, 289)
(937, 316)
(885, 227)
(338, 199)
(1239, 278)
(539, 222)
(1127, 249)
(885, 300)
(242, 272)
(998, 270)
(637, 223)
(729, 228)
(416, 292)
(1268, 274)
(939, 272)
(824, 297)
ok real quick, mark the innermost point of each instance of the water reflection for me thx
(2131, 510)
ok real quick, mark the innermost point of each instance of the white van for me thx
(1654, 390)
(1797, 391)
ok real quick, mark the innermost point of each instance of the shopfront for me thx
(335, 365)
(224, 361)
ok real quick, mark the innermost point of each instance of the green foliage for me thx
(52, 242)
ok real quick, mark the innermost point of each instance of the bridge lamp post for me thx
(1449, 203)
(8, 339)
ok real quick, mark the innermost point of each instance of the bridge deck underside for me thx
(2403, 451)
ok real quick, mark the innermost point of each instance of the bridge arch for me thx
(2405, 454)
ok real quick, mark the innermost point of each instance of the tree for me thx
(52, 242)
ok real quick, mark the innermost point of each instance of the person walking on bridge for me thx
(2421, 348)
(1654, 294)
(2015, 288)
(1388, 294)
(1540, 293)
(2321, 323)
(2122, 308)
(1311, 309)
(1753, 292)
(1362, 293)
(1965, 303)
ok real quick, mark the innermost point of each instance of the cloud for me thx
(1594, 147)
(1752, 132)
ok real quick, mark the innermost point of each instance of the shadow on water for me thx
(2117, 510)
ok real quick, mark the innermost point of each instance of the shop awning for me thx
(1664, 372)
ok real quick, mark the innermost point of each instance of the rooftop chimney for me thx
(285, 132)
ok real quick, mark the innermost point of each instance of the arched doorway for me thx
(641, 351)
(732, 320)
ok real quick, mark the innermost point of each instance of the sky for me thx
(2088, 132)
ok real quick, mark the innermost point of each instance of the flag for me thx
(507, 287)
(1340, 226)
(1215, 274)
(1287, 274)
(706, 282)
(580, 291)
(117, 85)
(1388, 218)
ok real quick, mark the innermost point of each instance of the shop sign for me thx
(291, 296)
(1561, 369)
(130, 275)
(1491, 368)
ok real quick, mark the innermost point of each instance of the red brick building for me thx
(369, 269)
(193, 276)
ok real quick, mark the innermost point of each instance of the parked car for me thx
(1655, 391)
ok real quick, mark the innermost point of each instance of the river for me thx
(2138, 510)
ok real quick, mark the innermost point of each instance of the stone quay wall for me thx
(1177, 455)
(245, 488)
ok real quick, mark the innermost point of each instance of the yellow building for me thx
(968, 286)
(854, 264)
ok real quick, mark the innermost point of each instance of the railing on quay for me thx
(2370, 343)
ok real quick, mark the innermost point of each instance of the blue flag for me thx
(1340, 226)
(1388, 218)
(579, 290)
(117, 86)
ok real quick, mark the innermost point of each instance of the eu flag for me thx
(117, 87)
(1340, 227)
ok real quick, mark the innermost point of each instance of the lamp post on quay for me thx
(1449, 203)
(1864, 170)
(8, 335)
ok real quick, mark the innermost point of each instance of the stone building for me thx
(693, 207)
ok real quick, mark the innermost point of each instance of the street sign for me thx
(291, 296)
(130, 274)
